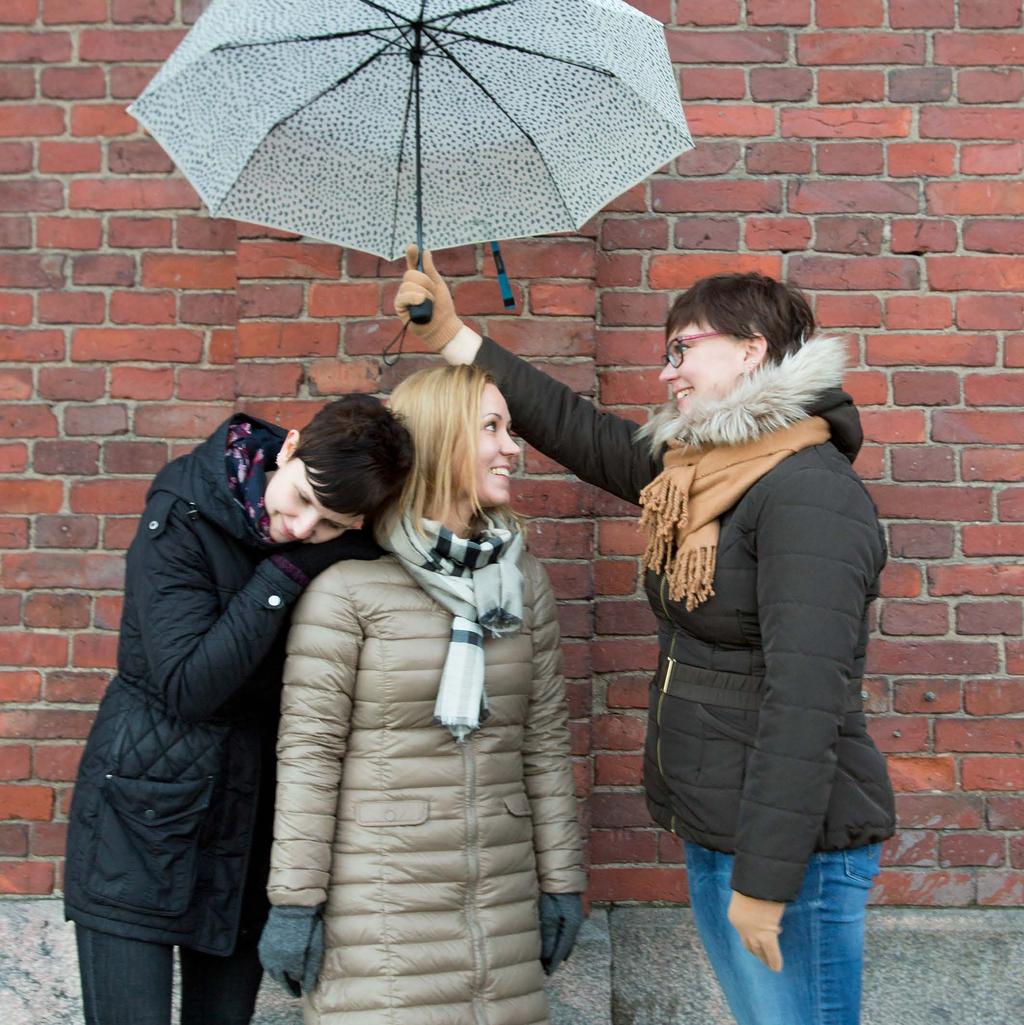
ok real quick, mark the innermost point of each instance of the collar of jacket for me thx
(804, 383)
(200, 477)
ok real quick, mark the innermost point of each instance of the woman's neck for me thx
(458, 519)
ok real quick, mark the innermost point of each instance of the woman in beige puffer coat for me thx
(427, 852)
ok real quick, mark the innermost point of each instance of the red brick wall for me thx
(868, 151)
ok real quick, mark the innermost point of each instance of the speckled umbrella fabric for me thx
(300, 114)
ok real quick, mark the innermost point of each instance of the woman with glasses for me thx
(763, 555)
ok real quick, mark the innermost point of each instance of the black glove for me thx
(312, 559)
(561, 915)
(291, 947)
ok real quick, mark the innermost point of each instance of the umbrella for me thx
(370, 124)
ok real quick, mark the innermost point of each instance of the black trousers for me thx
(128, 982)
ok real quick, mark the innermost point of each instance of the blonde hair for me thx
(441, 409)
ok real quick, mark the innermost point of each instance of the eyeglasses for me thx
(676, 348)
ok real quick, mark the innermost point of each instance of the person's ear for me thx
(291, 443)
(754, 351)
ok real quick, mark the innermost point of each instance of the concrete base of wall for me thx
(922, 967)
(632, 966)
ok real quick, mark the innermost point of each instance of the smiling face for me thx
(497, 452)
(711, 366)
(294, 511)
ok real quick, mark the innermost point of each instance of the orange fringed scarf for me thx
(683, 503)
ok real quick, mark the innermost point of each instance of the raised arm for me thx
(599, 448)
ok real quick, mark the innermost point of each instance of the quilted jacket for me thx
(170, 828)
(427, 853)
(756, 742)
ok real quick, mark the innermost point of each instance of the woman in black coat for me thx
(171, 822)
(763, 555)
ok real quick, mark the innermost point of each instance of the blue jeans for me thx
(128, 982)
(822, 940)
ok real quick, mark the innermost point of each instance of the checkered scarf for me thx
(478, 580)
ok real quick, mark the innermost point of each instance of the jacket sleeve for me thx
(818, 554)
(198, 654)
(316, 706)
(547, 767)
(600, 448)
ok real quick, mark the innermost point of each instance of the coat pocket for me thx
(737, 725)
(518, 805)
(727, 739)
(392, 813)
(146, 850)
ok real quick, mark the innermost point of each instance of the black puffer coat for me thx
(756, 741)
(171, 822)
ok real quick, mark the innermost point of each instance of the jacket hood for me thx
(200, 477)
(802, 384)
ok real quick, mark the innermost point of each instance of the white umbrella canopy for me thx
(372, 124)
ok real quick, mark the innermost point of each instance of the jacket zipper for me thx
(473, 858)
(669, 669)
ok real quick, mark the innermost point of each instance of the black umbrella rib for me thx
(401, 157)
(469, 37)
(305, 39)
(433, 23)
(399, 23)
(529, 138)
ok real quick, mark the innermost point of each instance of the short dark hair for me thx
(357, 454)
(744, 305)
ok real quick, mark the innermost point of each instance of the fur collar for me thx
(774, 396)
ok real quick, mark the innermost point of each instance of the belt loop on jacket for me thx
(670, 664)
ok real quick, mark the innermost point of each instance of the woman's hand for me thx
(445, 333)
(418, 286)
(291, 947)
(561, 915)
(759, 923)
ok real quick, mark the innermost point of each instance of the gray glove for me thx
(561, 915)
(292, 947)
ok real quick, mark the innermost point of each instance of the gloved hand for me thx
(310, 560)
(561, 915)
(759, 923)
(427, 284)
(291, 947)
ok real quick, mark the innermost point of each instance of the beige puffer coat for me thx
(427, 853)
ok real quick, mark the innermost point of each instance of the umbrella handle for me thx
(422, 312)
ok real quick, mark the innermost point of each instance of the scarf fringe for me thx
(665, 511)
(682, 504)
(691, 575)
